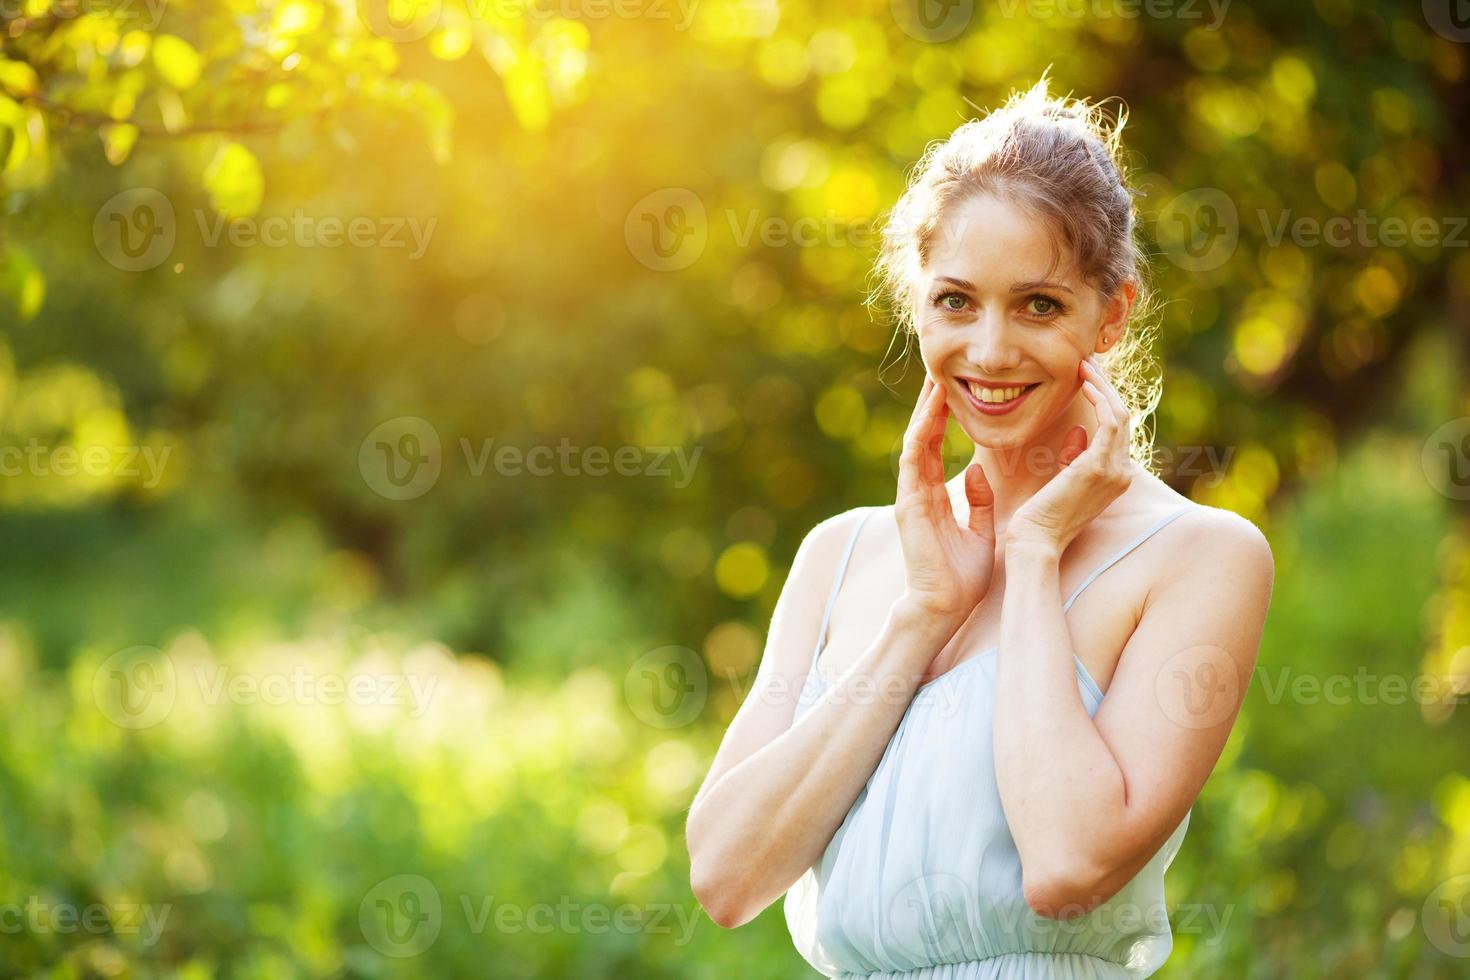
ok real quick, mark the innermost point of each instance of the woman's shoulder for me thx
(1216, 522)
(833, 533)
(1214, 536)
(1201, 520)
(827, 542)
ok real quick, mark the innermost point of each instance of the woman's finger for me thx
(1104, 401)
(1073, 444)
(1104, 385)
(934, 420)
(1097, 448)
(911, 460)
(918, 413)
(930, 437)
(1100, 378)
(1109, 442)
(982, 501)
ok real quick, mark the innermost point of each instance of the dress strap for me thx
(1125, 549)
(837, 585)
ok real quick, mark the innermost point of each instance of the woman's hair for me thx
(1058, 159)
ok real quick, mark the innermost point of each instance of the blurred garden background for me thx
(409, 412)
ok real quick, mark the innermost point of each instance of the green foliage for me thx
(257, 260)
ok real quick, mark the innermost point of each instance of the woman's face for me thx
(991, 319)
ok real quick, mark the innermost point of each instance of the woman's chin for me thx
(991, 438)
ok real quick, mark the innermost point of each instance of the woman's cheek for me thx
(927, 352)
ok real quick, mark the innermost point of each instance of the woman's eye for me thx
(952, 301)
(1042, 306)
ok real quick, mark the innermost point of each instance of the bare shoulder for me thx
(823, 547)
(1226, 533)
(795, 621)
(1222, 546)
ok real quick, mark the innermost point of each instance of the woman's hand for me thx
(948, 565)
(1091, 477)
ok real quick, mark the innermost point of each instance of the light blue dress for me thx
(922, 880)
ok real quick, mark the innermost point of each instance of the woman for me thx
(948, 770)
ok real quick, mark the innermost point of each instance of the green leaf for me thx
(525, 87)
(18, 78)
(234, 181)
(117, 141)
(15, 150)
(21, 282)
(176, 60)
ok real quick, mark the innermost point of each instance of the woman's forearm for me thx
(767, 820)
(1058, 779)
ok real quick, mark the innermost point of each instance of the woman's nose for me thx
(992, 344)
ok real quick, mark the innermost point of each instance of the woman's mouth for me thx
(995, 401)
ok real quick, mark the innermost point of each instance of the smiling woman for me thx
(1047, 173)
(933, 823)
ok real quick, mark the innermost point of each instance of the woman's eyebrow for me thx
(1023, 287)
(1018, 287)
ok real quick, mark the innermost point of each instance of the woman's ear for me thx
(1115, 316)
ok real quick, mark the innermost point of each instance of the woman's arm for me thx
(772, 802)
(777, 792)
(1090, 800)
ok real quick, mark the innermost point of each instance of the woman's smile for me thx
(992, 399)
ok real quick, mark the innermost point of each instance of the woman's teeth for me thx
(995, 395)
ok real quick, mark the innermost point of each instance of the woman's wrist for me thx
(909, 614)
(1033, 549)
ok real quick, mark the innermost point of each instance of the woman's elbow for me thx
(719, 896)
(1065, 892)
